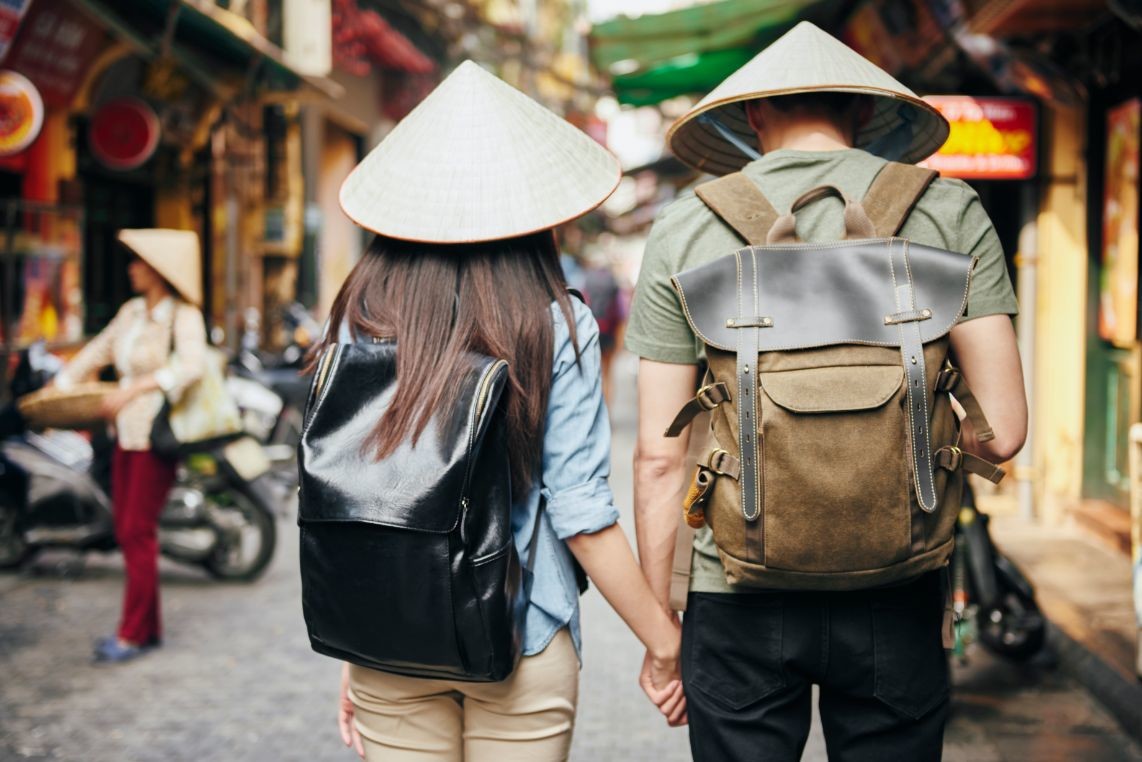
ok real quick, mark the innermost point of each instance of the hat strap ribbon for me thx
(730, 136)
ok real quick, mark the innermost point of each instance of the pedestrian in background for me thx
(157, 343)
(453, 268)
(819, 115)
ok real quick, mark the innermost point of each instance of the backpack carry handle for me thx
(857, 222)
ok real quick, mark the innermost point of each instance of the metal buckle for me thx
(957, 458)
(703, 401)
(717, 456)
(947, 379)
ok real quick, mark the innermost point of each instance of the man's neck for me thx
(805, 137)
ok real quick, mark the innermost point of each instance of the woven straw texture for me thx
(75, 408)
(477, 160)
(805, 59)
(174, 254)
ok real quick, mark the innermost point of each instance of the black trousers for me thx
(749, 661)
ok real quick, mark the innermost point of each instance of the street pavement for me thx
(236, 680)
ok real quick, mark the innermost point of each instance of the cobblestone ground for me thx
(236, 679)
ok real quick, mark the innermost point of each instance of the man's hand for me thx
(345, 710)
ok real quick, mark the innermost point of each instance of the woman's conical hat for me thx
(804, 60)
(477, 160)
(175, 255)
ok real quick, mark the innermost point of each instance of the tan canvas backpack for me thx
(833, 460)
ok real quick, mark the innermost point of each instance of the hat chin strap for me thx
(730, 136)
(896, 141)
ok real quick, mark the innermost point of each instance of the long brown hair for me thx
(440, 301)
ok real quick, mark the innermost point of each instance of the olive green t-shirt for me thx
(686, 234)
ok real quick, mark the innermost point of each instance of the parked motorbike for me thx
(271, 390)
(994, 602)
(55, 492)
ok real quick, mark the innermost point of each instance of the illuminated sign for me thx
(991, 138)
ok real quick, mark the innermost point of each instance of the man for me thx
(818, 114)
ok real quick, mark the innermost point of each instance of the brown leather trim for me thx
(739, 203)
(893, 194)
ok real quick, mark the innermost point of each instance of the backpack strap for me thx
(739, 203)
(893, 194)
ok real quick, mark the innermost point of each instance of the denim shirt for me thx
(573, 480)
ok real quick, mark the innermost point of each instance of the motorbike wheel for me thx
(247, 536)
(1015, 629)
(14, 550)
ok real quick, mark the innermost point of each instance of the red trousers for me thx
(140, 482)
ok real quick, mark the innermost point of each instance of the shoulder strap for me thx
(893, 194)
(740, 204)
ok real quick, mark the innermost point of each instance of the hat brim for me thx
(703, 148)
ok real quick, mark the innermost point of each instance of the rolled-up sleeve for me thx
(577, 442)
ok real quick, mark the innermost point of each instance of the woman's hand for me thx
(115, 401)
(345, 711)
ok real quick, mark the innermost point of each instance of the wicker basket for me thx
(74, 408)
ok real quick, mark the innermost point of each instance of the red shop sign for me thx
(991, 138)
(124, 133)
(54, 47)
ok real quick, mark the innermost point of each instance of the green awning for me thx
(654, 57)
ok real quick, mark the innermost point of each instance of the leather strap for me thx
(739, 203)
(955, 459)
(893, 194)
(748, 350)
(951, 381)
(912, 358)
(707, 398)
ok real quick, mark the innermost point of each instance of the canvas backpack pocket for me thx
(835, 468)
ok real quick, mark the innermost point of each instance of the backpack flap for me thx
(851, 284)
(418, 487)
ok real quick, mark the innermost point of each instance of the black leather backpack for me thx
(407, 563)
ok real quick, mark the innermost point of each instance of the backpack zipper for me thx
(477, 411)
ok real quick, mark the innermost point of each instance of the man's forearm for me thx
(658, 491)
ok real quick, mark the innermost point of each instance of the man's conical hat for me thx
(477, 160)
(175, 255)
(806, 60)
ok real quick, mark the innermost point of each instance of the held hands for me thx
(349, 734)
(661, 680)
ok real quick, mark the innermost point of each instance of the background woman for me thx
(463, 195)
(165, 270)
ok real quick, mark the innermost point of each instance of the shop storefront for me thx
(154, 113)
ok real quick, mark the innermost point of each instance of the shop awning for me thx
(654, 57)
(210, 40)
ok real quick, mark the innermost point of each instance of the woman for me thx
(157, 343)
(462, 196)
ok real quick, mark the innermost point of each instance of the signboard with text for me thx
(991, 138)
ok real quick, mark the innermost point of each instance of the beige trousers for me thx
(528, 717)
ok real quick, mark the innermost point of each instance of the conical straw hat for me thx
(806, 59)
(174, 254)
(477, 160)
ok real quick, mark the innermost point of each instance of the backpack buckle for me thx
(710, 396)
